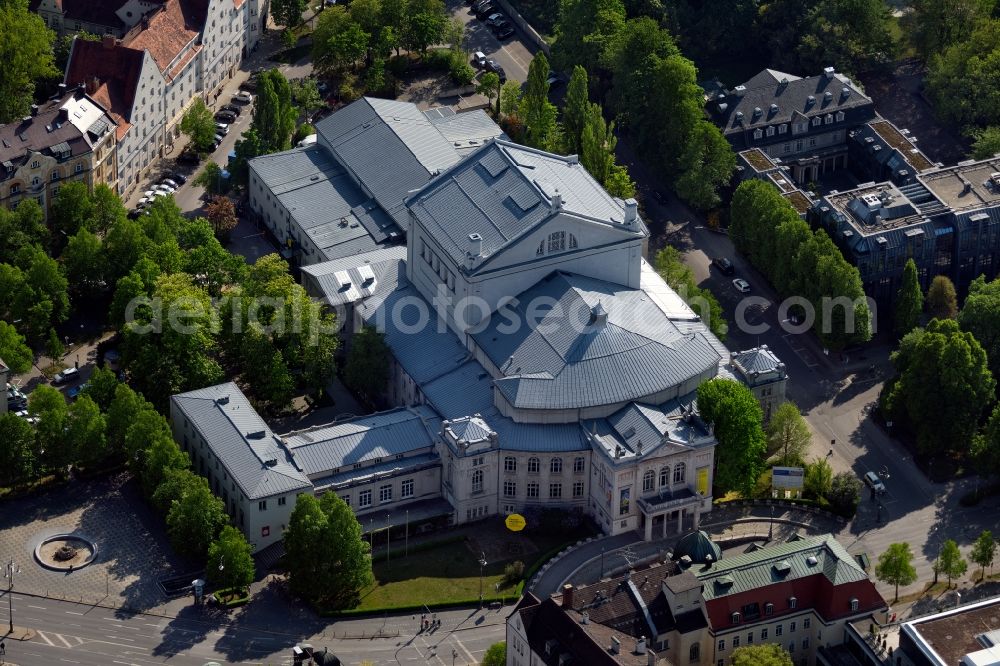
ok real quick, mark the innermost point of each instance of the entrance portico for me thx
(667, 513)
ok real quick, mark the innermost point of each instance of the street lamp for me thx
(9, 570)
(482, 565)
(770, 529)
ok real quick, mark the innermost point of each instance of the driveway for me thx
(514, 54)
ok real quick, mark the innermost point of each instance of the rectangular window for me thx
(510, 464)
(805, 643)
(406, 489)
(750, 638)
(763, 634)
(854, 604)
(385, 494)
(532, 490)
(768, 609)
(736, 642)
(281, 501)
(806, 623)
(578, 489)
(722, 645)
(579, 465)
(555, 490)
(365, 498)
(510, 489)
(262, 505)
(792, 602)
(791, 627)
(347, 499)
(778, 630)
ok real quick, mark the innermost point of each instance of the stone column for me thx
(649, 527)
(680, 521)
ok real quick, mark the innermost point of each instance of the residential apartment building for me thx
(176, 51)
(98, 17)
(803, 122)
(802, 595)
(71, 137)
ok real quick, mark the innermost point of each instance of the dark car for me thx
(503, 30)
(493, 66)
(724, 265)
(188, 157)
(249, 85)
(480, 3)
(495, 18)
(485, 11)
(225, 117)
(232, 108)
(178, 177)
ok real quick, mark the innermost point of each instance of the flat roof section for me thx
(966, 185)
(954, 634)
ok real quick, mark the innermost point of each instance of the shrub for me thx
(461, 72)
(439, 59)
(513, 572)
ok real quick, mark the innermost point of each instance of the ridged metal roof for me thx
(755, 570)
(381, 435)
(467, 131)
(240, 439)
(350, 279)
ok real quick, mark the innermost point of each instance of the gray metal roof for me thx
(391, 147)
(245, 445)
(503, 191)
(641, 430)
(571, 358)
(350, 279)
(382, 435)
(325, 204)
(759, 360)
(466, 131)
(384, 470)
(751, 571)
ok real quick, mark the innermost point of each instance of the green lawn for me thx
(448, 573)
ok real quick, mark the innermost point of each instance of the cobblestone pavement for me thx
(132, 549)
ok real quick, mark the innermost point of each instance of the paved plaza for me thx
(132, 549)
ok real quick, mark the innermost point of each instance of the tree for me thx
(850, 34)
(980, 316)
(736, 415)
(107, 209)
(17, 455)
(584, 31)
(198, 124)
(304, 130)
(969, 65)
(121, 414)
(425, 24)
(575, 107)
(211, 179)
(931, 26)
(72, 210)
(895, 567)
(536, 111)
(195, 519)
(819, 478)
(273, 112)
(950, 562)
(942, 386)
(681, 279)
(54, 348)
(147, 427)
(21, 228)
(706, 164)
(489, 86)
(161, 456)
(367, 368)
(327, 559)
(510, 99)
(941, 299)
(619, 183)
(83, 261)
(766, 654)
(14, 350)
(986, 143)
(85, 429)
(101, 387)
(845, 492)
(597, 144)
(339, 43)
(221, 213)
(288, 13)
(909, 300)
(496, 655)
(983, 552)
(230, 561)
(54, 449)
(788, 434)
(986, 446)
(305, 92)
(27, 56)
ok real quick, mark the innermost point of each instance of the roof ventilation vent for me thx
(224, 400)
(256, 434)
(271, 462)
(812, 561)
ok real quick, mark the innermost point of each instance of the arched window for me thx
(477, 481)
(679, 473)
(578, 465)
(694, 654)
(665, 476)
(533, 465)
(510, 464)
(572, 242)
(556, 466)
(648, 480)
(541, 249)
(557, 241)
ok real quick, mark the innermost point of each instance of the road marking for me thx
(45, 638)
(63, 639)
(465, 650)
(39, 607)
(73, 613)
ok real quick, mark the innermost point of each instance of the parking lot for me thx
(514, 53)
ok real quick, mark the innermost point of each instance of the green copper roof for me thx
(698, 547)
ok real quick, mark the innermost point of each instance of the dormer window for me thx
(55, 175)
(816, 121)
(854, 604)
(770, 131)
(768, 609)
(840, 116)
(828, 119)
(792, 602)
(735, 617)
(757, 133)
(782, 129)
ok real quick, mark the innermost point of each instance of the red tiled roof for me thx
(182, 63)
(168, 30)
(117, 69)
(238, 3)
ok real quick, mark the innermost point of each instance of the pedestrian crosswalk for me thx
(53, 639)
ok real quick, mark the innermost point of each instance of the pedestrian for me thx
(3, 648)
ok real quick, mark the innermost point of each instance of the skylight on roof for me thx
(523, 198)
(494, 164)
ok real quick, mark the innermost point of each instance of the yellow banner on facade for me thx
(515, 522)
(703, 481)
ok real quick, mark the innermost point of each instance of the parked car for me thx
(480, 3)
(741, 285)
(553, 78)
(66, 376)
(33, 420)
(218, 139)
(493, 19)
(188, 157)
(249, 85)
(162, 193)
(503, 30)
(875, 483)
(74, 392)
(724, 265)
(485, 11)
(493, 66)
(15, 398)
(225, 117)
(178, 177)
(163, 187)
(172, 183)
(222, 128)
(243, 97)
(322, 87)
(479, 59)
(145, 201)
(232, 108)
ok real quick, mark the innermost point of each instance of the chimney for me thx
(631, 211)
(108, 42)
(828, 72)
(739, 91)
(585, 618)
(640, 645)
(616, 645)
(34, 109)
(93, 83)
(556, 201)
(567, 596)
(475, 245)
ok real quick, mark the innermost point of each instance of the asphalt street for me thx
(95, 636)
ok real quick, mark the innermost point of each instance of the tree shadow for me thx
(190, 627)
